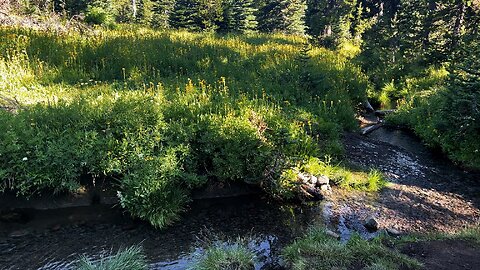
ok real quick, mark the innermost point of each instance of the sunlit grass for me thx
(318, 250)
(167, 110)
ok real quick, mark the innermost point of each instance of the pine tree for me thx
(210, 14)
(145, 9)
(239, 16)
(295, 16)
(282, 16)
(332, 22)
(162, 11)
(186, 15)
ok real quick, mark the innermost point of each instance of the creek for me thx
(56, 238)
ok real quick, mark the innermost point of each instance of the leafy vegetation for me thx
(157, 113)
(446, 114)
(318, 250)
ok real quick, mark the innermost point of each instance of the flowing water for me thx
(55, 239)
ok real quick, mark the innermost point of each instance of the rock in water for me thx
(371, 224)
(19, 233)
(393, 232)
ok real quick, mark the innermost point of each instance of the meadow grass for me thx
(318, 250)
(164, 111)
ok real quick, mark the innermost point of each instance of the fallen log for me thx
(369, 129)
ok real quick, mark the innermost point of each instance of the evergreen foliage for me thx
(282, 16)
(239, 16)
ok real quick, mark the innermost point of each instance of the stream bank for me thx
(427, 193)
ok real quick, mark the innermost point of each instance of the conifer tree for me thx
(186, 15)
(162, 11)
(239, 16)
(282, 16)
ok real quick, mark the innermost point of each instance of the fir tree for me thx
(186, 15)
(239, 16)
(282, 16)
(162, 10)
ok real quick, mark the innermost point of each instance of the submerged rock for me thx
(19, 233)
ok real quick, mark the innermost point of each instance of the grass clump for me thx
(128, 259)
(345, 177)
(471, 235)
(226, 256)
(317, 250)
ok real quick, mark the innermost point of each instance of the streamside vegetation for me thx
(158, 113)
(131, 258)
(318, 250)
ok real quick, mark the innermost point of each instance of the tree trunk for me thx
(432, 6)
(458, 22)
(134, 8)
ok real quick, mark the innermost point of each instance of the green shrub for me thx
(100, 13)
(153, 189)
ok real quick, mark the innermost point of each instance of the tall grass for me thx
(128, 259)
(163, 112)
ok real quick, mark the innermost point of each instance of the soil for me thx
(425, 193)
(445, 254)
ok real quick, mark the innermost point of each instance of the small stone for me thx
(325, 187)
(56, 228)
(323, 180)
(332, 234)
(393, 232)
(19, 233)
(313, 180)
(304, 178)
(314, 193)
(371, 224)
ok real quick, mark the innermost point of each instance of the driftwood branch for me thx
(9, 104)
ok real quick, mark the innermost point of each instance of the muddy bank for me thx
(445, 254)
(106, 194)
(427, 192)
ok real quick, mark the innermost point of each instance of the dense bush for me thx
(162, 112)
(447, 115)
